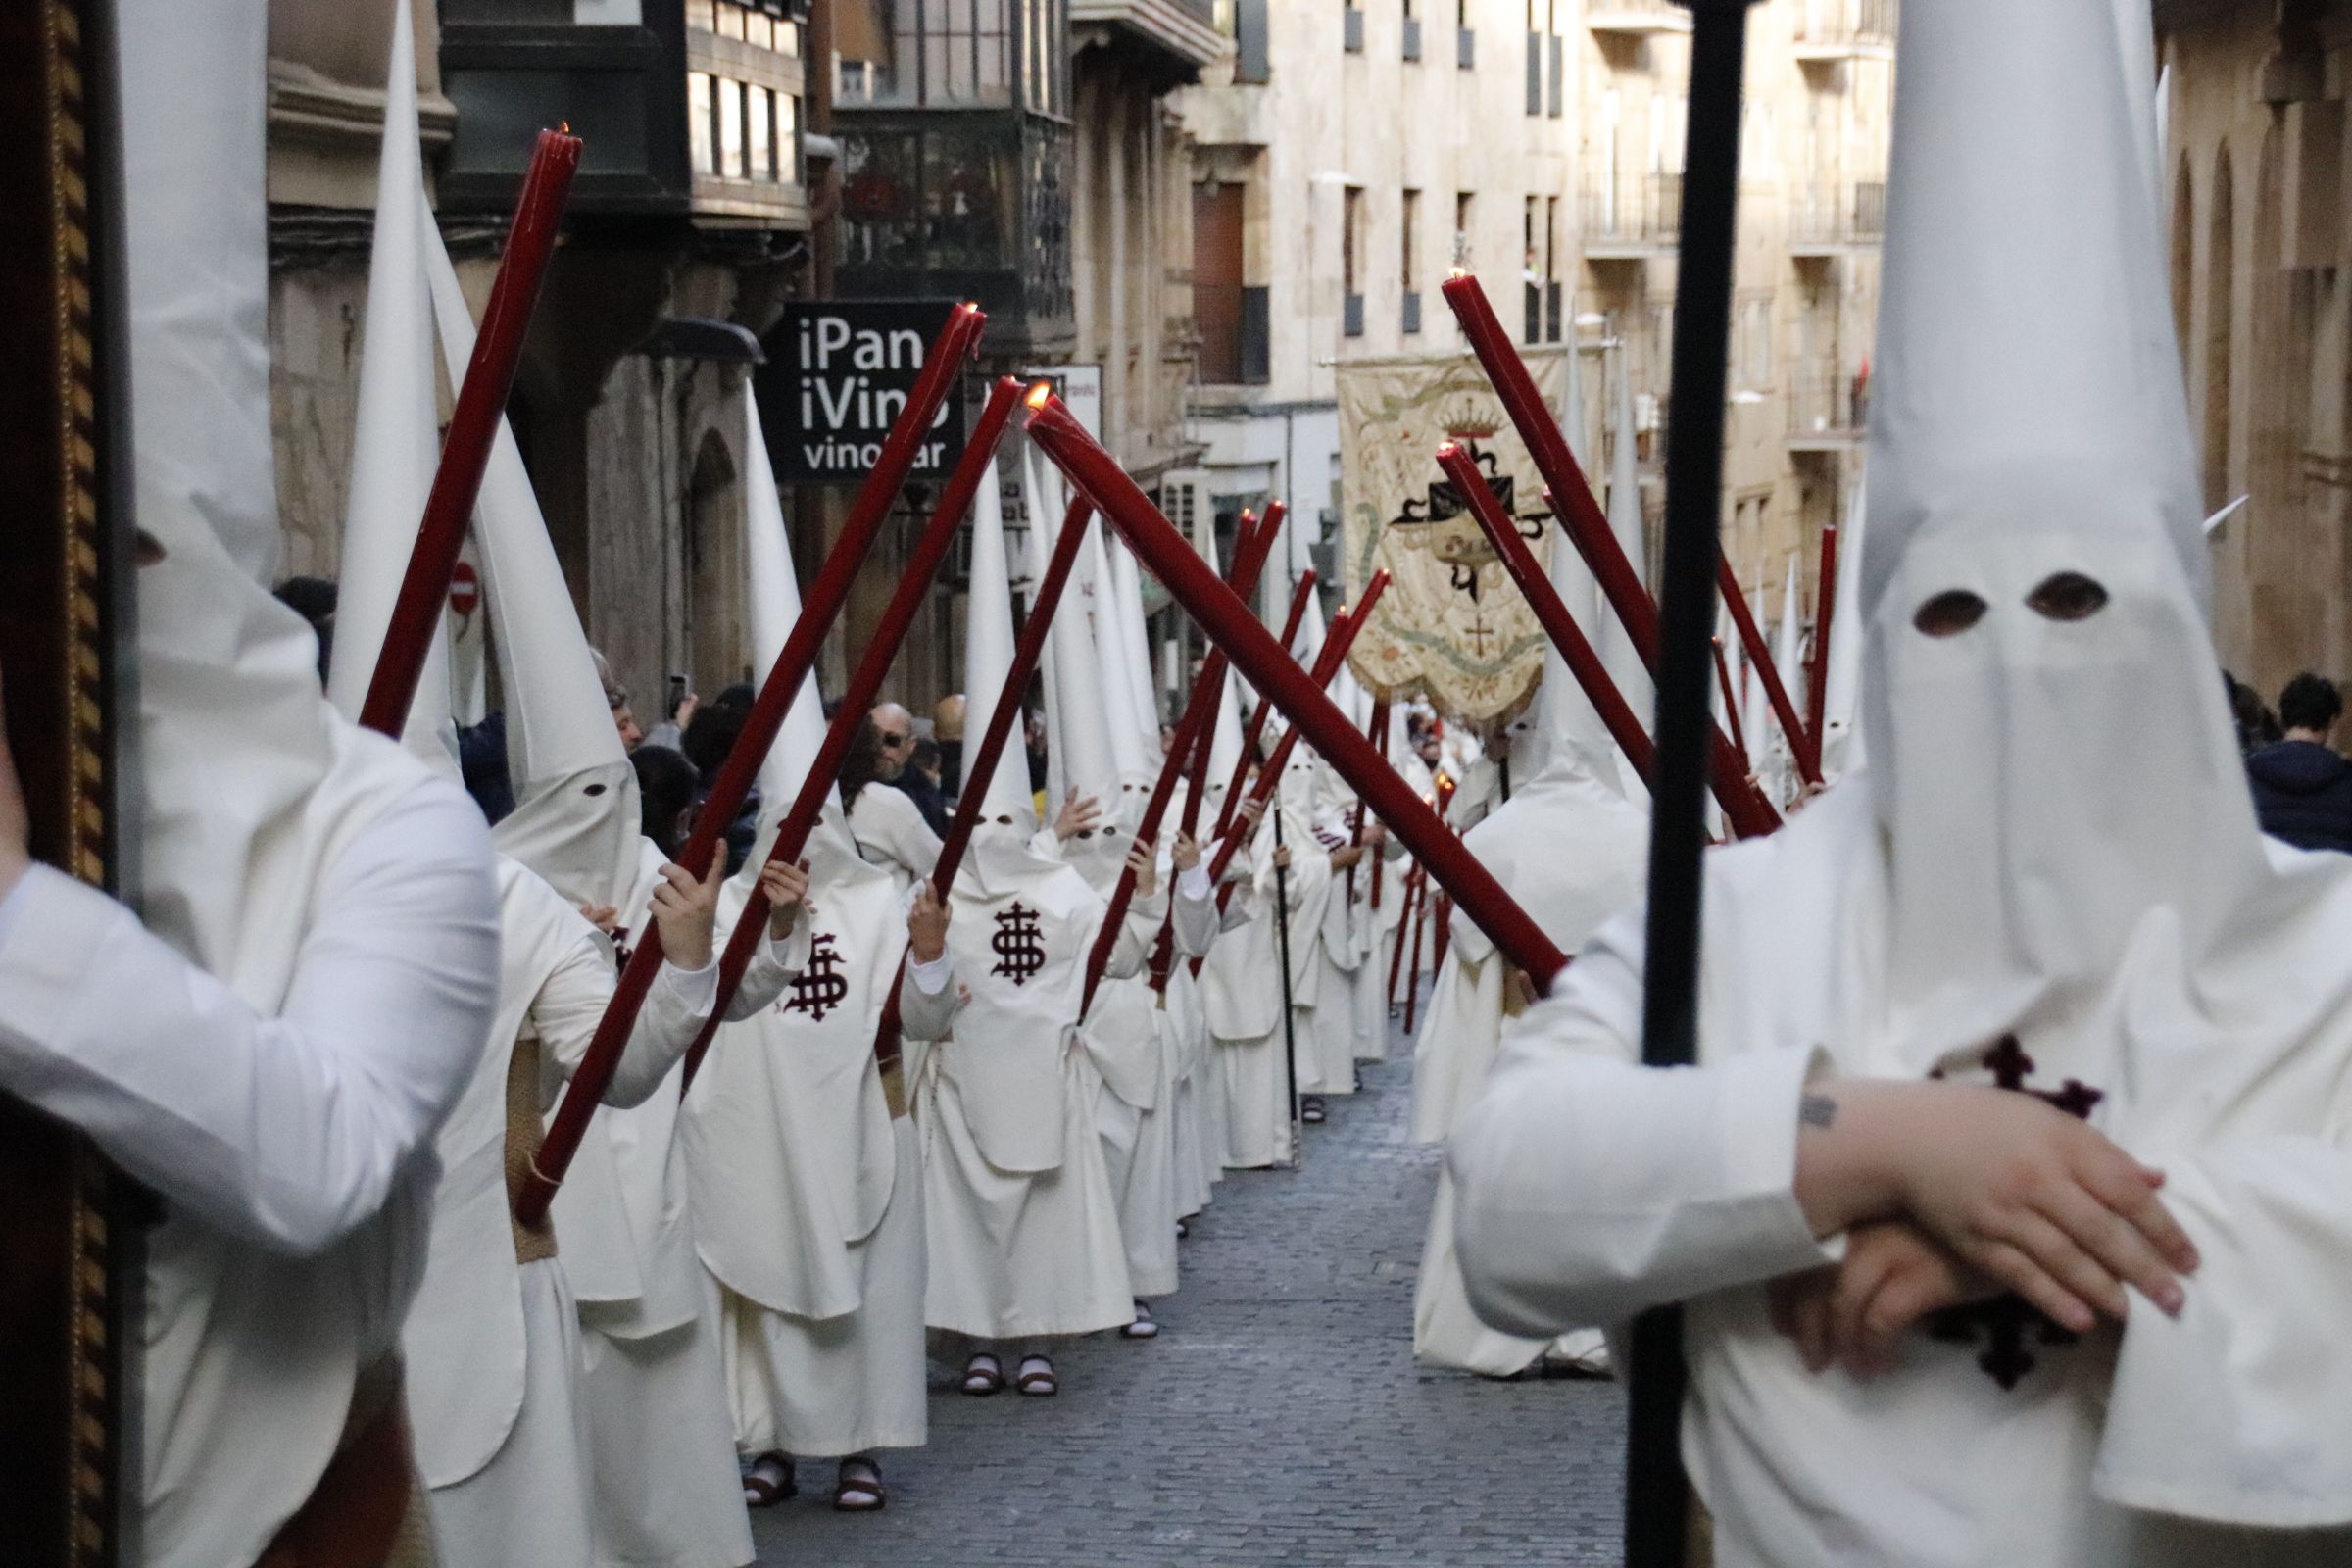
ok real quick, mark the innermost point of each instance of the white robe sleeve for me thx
(928, 1012)
(572, 1002)
(2226, 1413)
(284, 1131)
(1195, 911)
(1588, 1187)
(774, 966)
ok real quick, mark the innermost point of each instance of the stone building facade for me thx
(2255, 160)
(1350, 156)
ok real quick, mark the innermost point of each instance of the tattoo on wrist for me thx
(1816, 1110)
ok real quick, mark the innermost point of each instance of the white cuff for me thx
(1194, 884)
(931, 975)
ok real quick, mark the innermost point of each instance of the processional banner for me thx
(1453, 627)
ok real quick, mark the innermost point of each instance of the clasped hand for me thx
(1951, 1193)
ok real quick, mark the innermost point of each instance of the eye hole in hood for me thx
(1950, 613)
(2067, 595)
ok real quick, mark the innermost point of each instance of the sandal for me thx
(1037, 1378)
(1183, 1230)
(1310, 1110)
(768, 1481)
(1143, 1328)
(859, 1487)
(983, 1375)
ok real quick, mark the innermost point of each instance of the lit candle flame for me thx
(1039, 395)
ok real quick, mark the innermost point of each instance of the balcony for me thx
(1636, 18)
(1176, 36)
(692, 112)
(1831, 31)
(1630, 217)
(1835, 218)
(1829, 410)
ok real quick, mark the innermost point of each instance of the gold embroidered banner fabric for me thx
(1451, 627)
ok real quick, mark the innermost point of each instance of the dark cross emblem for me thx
(2006, 1320)
(819, 988)
(1018, 944)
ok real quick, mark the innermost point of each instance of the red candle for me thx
(1825, 608)
(1263, 660)
(1190, 739)
(1257, 731)
(472, 428)
(864, 685)
(1520, 562)
(1251, 551)
(1759, 659)
(942, 370)
(1342, 637)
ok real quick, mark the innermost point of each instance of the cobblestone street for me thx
(1278, 1419)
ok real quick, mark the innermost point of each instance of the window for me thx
(1461, 228)
(1410, 260)
(730, 128)
(1555, 312)
(1244, 22)
(962, 52)
(700, 120)
(1532, 325)
(1410, 222)
(762, 141)
(1352, 245)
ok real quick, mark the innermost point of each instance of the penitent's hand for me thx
(1282, 858)
(1142, 861)
(926, 924)
(1855, 1314)
(787, 890)
(1187, 852)
(2014, 1188)
(686, 912)
(16, 822)
(1078, 815)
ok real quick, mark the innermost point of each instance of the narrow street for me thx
(1278, 1419)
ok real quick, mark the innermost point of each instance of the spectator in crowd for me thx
(1033, 735)
(625, 718)
(711, 731)
(947, 727)
(919, 781)
(2256, 726)
(482, 763)
(665, 789)
(2302, 788)
(895, 742)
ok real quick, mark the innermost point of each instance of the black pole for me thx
(1658, 1509)
(1282, 938)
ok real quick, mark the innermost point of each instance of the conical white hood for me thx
(1841, 741)
(999, 856)
(1081, 735)
(2051, 762)
(396, 429)
(773, 596)
(576, 820)
(247, 779)
(1610, 640)
(1998, 408)
(1788, 645)
(1566, 730)
(1127, 594)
